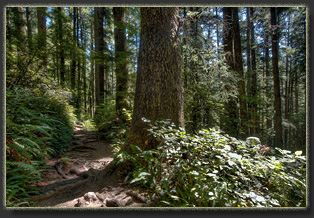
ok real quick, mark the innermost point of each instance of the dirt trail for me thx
(83, 179)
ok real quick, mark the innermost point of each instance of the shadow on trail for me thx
(85, 177)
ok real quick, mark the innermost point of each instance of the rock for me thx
(79, 203)
(127, 201)
(100, 197)
(90, 196)
(112, 203)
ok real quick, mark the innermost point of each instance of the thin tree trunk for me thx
(296, 103)
(249, 68)
(248, 41)
(253, 91)
(268, 90)
(287, 89)
(96, 36)
(277, 98)
(101, 43)
(29, 30)
(73, 62)
(92, 80)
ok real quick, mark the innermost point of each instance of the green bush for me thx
(109, 125)
(215, 170)
(38, 124)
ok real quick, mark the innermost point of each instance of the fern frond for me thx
(28, 142)
(20, 149)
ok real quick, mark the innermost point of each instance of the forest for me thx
(156, 106)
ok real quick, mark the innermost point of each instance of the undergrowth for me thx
(110, 126)
(211, 169)
(39, 124)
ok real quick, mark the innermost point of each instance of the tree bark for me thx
(20, 27)
(121, 60)
(248, 41)
(61, 45)
(253, 81)
(159, 85)
(92, 80)
(269, 121)
(277, 98)
(99, 48)
(73, 55)
(29, 30)
(42, 35)
(230, 119)
(286, 95)
(255, 116)
(238, 66)
(96, 41)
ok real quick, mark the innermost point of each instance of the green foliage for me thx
(89, 125)
(19, 177)
(215, 170)
(109, 125)
(39, 124)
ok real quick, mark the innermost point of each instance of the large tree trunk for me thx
(194, 68)
(42, 41)
(277, 99)
(99, 48)
(252, 79)
(159, 89)
(121, 60)
(73, 53)
(20, 25)
(238, 66)
(101, 69)
(22, 64)
(255, 116)
(230, 119)
(29, 30)
(61, 45)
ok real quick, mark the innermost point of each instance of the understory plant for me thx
(39, 124)
(211, 169)
(111, 126)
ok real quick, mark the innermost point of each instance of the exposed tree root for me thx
(58, 166)
(87, 178)
(100, 186)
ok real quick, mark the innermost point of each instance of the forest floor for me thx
(81, 178)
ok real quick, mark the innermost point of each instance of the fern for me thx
(37, 126)
(19, 150)
(24, 166)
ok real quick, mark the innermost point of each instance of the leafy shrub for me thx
(89, 125)
(109, 125)
(38, 124)
(214, 170)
